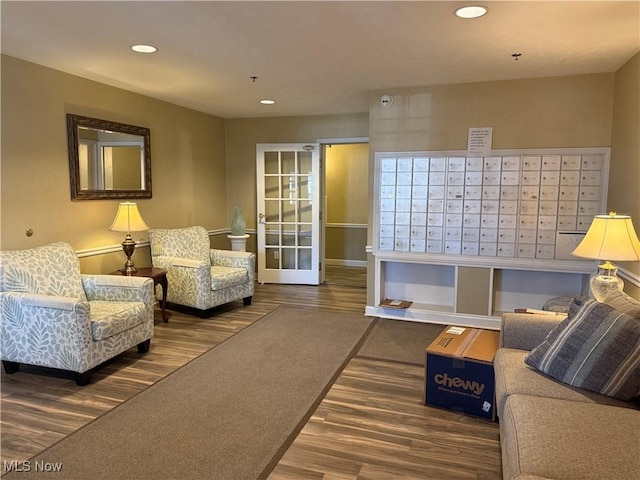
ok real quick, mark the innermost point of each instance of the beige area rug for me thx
(228, 414)
(399, 340)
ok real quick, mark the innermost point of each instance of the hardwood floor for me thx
(372, 425)
(345, 276)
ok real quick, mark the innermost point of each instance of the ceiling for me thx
(314, 58)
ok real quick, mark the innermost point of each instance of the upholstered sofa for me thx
(54, 316)
(550, 428)
(200, 277)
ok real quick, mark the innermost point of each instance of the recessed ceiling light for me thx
(266, 101)
(471, 11)
(144, 48)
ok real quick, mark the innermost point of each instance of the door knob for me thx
(261, 216)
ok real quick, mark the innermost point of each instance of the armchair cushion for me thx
(596, 347)
(225, 277)
(111, 318)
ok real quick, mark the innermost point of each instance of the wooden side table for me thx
(159, 277)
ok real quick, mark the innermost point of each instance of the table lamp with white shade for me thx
(128, 219)
(610, 237)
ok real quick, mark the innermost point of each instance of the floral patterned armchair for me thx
(54, 316)
(201, 277)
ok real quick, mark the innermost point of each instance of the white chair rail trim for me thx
(92, 252)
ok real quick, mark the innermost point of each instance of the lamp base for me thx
(605, 280)
(129, 246)
(129, 268)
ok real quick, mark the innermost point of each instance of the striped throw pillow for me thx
(596, 348)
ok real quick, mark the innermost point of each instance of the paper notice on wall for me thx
(479, 142)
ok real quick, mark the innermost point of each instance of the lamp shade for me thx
(610, 237)
(128, 219)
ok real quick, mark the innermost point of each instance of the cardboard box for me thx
(459, 371)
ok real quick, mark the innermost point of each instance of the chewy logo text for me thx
(457, 382)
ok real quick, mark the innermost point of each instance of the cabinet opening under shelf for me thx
(427, 286)
(532, 289)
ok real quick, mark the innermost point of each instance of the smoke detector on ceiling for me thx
(386, 100)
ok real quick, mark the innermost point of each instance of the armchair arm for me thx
(525, 331)
(45, 330)
(118, 288)
(189, 280)
(231, 258)
(188, 263)
(17, 300)
(167, 262)
(48, 301)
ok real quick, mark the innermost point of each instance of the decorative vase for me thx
(238, 225)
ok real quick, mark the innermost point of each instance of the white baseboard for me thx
(444, 318)
(345, 263)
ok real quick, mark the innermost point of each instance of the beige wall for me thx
(242, 135)
(203, 166)
(241, 138)
(187, 156)
(533, 113)
(573, 111)
(624, 177)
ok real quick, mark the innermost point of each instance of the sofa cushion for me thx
(623, 303)
(595, 347)
(225, 277)
(109, 318)
(52, 269)
(513, 376)
(570, 440)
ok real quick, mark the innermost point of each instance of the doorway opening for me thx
(344, 220)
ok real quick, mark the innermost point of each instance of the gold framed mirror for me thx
(108, 159)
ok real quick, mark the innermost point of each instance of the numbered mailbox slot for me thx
(531, 163)
(457, 164)
(592, 162)
(454, 234)
(571, 162)
(492, 164)
(435, 206)
(549, 192)
(551, 162)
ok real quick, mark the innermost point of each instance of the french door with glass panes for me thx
(288, 210)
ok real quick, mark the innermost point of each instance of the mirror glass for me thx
(108, 159)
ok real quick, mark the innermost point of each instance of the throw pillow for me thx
(558, 304)
(596, 348)
(623, 303)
